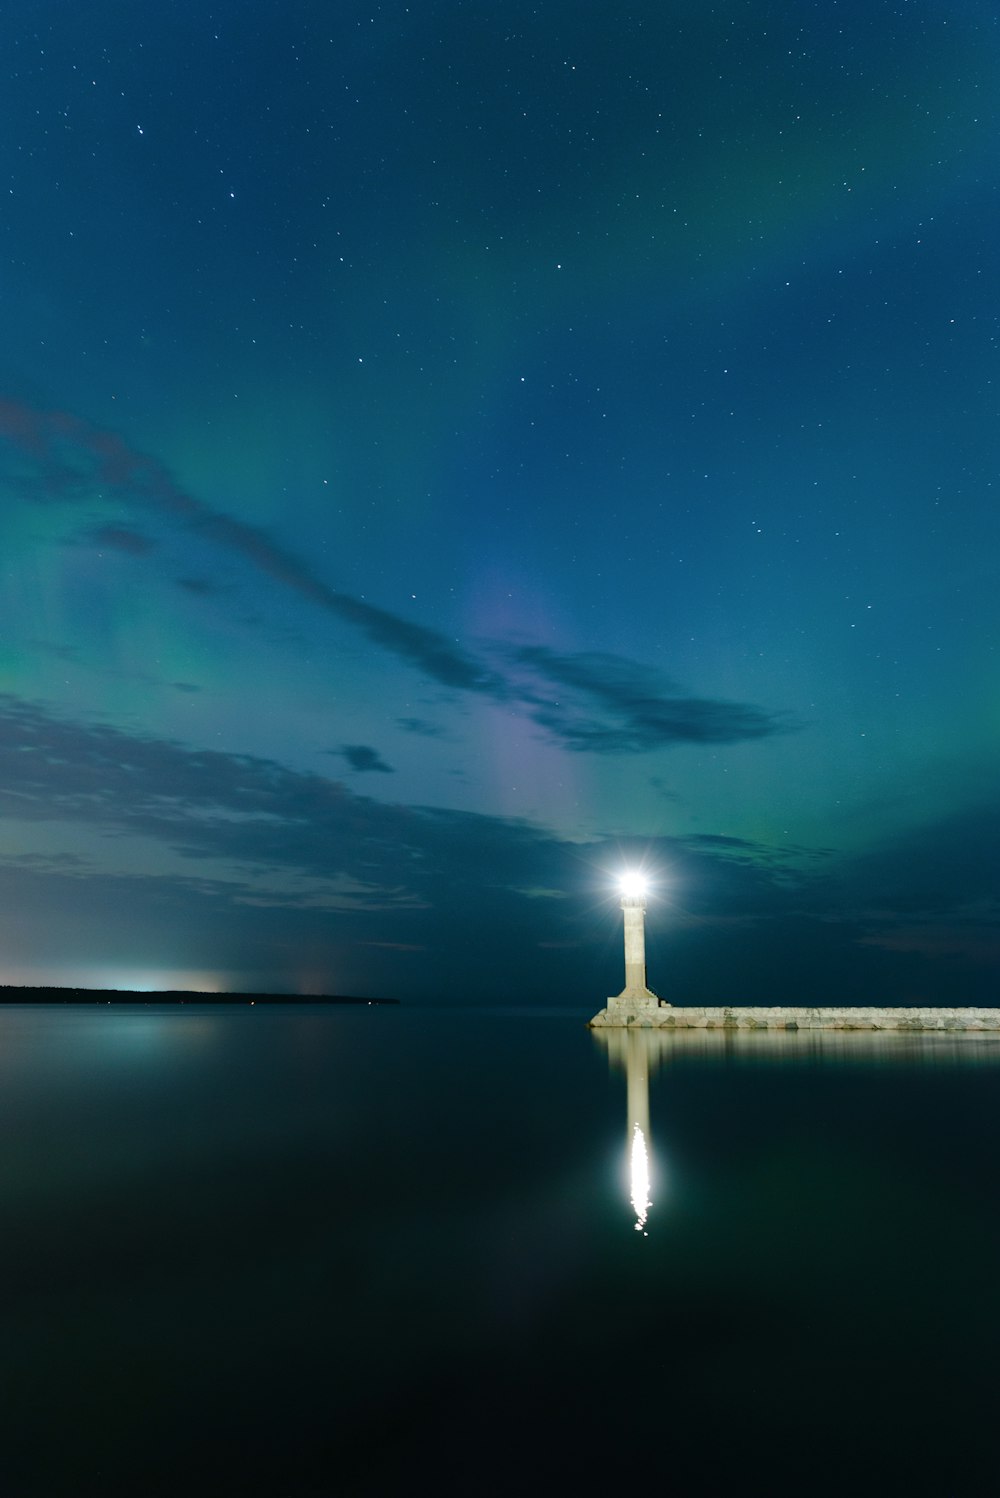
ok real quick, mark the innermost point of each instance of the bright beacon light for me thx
(632, 884)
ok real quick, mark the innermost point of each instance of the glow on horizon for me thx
(130, 980)
(151, 980)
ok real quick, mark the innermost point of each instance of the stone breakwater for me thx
(620, 1015)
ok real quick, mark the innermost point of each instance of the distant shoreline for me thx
(11, 994)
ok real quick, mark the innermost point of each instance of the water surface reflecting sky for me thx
(268, 1246)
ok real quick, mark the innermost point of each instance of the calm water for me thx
(371, 1251)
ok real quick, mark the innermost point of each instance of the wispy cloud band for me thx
(587, 702)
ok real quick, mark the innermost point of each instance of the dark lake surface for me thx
(311, 1251)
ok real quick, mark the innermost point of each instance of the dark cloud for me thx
(421, 726)
(48, 861)
(935, 890)
(397, 946)
(604, 704)
(364, 757)
(62, 458)
(198, 585)
(642, 711)
(123, 538)
(240, 808)
(300, 861)
(252, 811)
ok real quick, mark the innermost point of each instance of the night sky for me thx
(451, 451)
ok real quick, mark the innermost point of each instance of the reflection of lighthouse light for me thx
(640, 1180)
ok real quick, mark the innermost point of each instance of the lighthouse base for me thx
(633, 1004)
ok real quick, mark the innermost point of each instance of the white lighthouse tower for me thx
(635, 997)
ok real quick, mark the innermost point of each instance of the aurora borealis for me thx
(449, 451)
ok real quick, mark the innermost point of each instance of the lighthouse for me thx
(635, 995)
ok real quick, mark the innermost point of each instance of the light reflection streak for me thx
(634, 1051)
(640, 1180)
(638, 1051)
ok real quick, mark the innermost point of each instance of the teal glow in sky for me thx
(447, 452)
